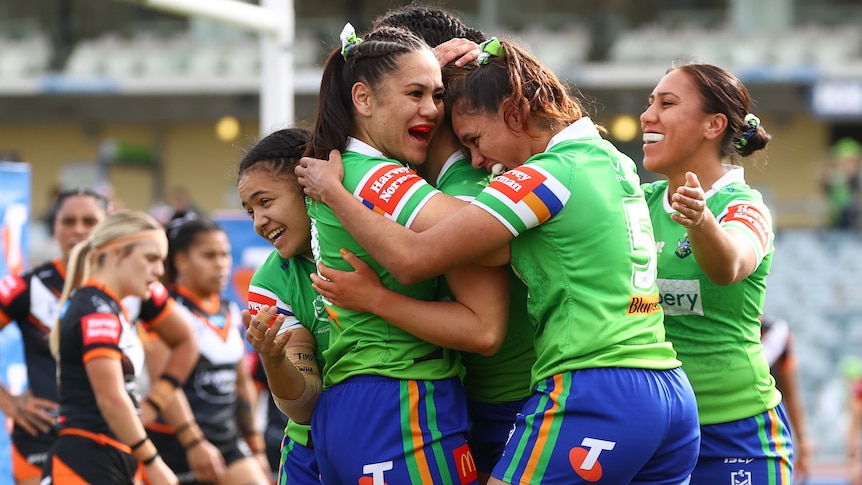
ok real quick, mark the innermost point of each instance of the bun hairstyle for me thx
(722, 92)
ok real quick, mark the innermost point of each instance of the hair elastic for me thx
(753, 123)
(349, 40)
(490, 48)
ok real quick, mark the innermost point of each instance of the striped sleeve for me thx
(394, 191)
(259, 296)
(753, 220)
(523, 198)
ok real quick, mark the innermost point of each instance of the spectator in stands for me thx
(778, 348)
(715, 246)
(841, 184)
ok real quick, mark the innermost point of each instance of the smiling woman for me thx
(570, 216)
(380, 104)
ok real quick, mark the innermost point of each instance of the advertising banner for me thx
(14, 226)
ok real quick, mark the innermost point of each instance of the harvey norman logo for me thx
(680, 297)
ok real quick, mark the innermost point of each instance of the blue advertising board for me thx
(14, 226)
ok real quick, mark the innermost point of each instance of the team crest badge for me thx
(683, 248)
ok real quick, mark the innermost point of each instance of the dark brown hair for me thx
(722, 92)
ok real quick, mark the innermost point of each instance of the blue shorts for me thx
(752, 451)
(606, 426)
(490, 425)
(398, 431)
(298, 465)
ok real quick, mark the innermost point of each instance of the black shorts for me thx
(30, 453)
(76, 460)
(174, 454)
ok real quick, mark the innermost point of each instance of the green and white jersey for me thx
(504, 376)
(363, 343)
(584, 247)
(284, 283)
(715, 329)
(459, 179)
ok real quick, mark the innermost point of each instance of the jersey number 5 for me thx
(642, 242)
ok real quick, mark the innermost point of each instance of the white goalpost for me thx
(274, 20)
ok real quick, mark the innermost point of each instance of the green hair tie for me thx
(489, 48)
(349, 40)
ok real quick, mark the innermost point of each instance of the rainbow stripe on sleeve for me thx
(532, 193)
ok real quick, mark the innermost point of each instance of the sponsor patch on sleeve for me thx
(532, 193)
(158, 293)
(101, 328)
(10, 287)
(257, 300)
(751, 218)
(386, 187)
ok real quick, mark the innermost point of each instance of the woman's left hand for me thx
(689, 202)
(461, 51)
(357, 290)
(318, 176)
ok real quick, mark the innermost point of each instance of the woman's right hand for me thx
(206, 462)
(262, 333)
(158, 473)
(358, 290)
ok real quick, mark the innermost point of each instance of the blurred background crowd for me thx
(154, 109)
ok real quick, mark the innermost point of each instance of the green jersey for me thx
(584, 247)
(715, 329)
(504, 376)
(284, 284)
(363, 343)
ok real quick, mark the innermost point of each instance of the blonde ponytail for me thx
(84, 255)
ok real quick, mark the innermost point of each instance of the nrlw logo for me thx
(585, 461)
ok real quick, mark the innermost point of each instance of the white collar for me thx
(359, 146)
(582, 128)
(732, 173)
(453, 158)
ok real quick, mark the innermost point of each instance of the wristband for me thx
(179, 429)
(139, 443)
(152, 403)
(171, 380)
(151, 459)
(195, 442)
